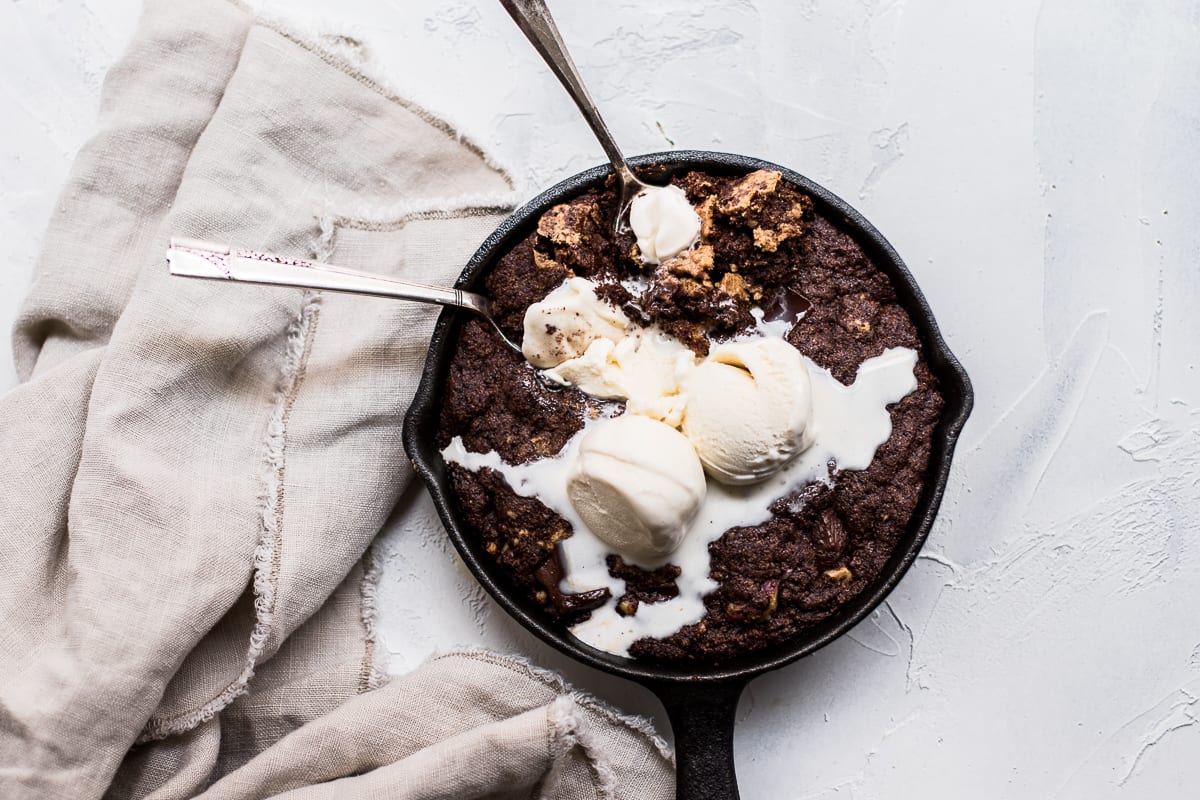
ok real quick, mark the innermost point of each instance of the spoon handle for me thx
(196, 259)
(534, 20)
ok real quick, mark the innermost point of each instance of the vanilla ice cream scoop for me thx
(645, 368)
(749, 409)
(583, 341)
(664, 222)
(565, 322)
(637, 484)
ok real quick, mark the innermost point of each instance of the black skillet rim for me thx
(422, 419)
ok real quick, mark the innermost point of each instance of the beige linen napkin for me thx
(193, 471)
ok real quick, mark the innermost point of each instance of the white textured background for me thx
(1038, 166)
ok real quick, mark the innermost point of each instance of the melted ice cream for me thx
(848, 424)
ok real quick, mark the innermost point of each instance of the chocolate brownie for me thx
(762, 246)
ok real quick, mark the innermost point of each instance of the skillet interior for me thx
(422, 420)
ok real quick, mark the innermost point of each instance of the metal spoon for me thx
(534, 20)
(192, 258)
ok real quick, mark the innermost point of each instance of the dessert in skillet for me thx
(720, 427)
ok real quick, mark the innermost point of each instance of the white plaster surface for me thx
(1037, 164)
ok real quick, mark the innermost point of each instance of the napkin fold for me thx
(194, 471)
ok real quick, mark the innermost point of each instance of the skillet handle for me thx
(702, 717)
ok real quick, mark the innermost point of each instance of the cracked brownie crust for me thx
(762, 245)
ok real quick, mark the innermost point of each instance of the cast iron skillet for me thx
(700, 699)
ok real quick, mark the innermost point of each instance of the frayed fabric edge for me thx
(342, 46)
(374, 668)
(570, 730)
(345, 51)
(267, 552)
(395, 216)
(553, 680)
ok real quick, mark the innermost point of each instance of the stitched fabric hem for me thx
(267, 553)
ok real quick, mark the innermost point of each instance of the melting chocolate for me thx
(550, 574)
(788, 304)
